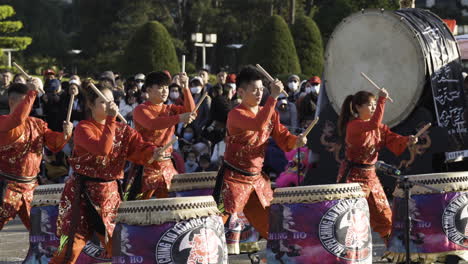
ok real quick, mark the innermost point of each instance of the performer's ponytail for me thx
(349, 110)
(345, 115)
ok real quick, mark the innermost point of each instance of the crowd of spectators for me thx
(201, 144)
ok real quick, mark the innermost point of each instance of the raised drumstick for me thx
(375, 85)
(70, 108)
(26, 74)
(422, 130)
(271, 79)
(205, 94)
(96, 90)
(309, 128)
(164, 148)
(183, 63)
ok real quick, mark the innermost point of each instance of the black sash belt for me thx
(220, 179)
(15, 178)
(350, 165)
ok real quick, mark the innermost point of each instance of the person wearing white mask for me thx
(197, 88)
(140, 80)
(315, 84)
(293, 87)
(288, 113)
(175, 97)
(307, 104)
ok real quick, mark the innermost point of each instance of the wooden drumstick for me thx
(205, 94)
(271, 79)
(164, 148)
(70, 108)
(102, 96)
(375, 85)
(26, 74)
(422, 130)
(309, 128)
(183, 63)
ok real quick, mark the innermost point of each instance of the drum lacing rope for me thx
(48, 191)
(441, 180)
(319, 192)
(146, 208)
(199, 179)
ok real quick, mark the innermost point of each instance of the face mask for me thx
(308, 89)
(174, 95)
(196, 89)
(188, 135)
(139, 84)
(233, 86)
(316, 88)
(293, 86)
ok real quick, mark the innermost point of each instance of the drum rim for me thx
(193, 181)
(453, 182)
(162, 202)
(49, 189)
(436, 176)
(422, 60)
(196, 174)
(316, 187)
(47, 195)
(137, 213)
(317, 193)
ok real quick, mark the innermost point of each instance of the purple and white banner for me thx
(43, 242)
(327, 232)
(194, 241)
(439, 223)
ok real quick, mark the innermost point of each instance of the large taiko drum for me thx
(320, 224)
(43, 241)
(171, 230)
(439, 220)
(241, 237)
(392, 48)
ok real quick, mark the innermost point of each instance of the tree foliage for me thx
(150, 49)
(309, 46)
(7, 27)
(273, 48)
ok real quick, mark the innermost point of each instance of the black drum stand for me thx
(405, 184)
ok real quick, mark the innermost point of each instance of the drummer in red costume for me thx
(361, 123)
(246, 189)
(22, 141)
(91, 195)
(156, 123)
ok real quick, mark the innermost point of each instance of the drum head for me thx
(378, 44)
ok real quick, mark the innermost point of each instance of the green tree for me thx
(150, 49)
(309, 46)
(330, 13)
(8, 27)
(273, 48)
